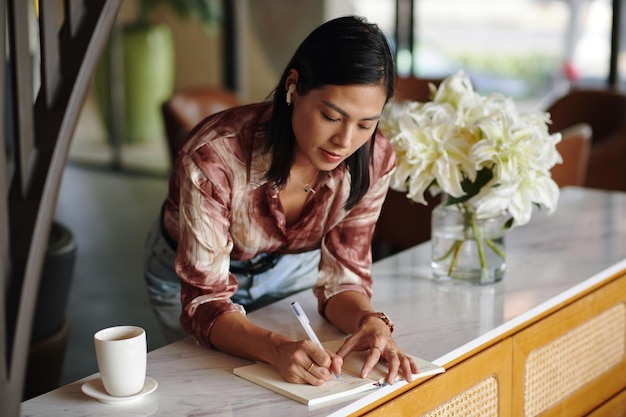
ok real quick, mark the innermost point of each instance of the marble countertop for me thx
(549, 260)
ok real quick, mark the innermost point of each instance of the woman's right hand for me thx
(300, 362)
(303, 362)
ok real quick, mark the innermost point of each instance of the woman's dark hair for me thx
(343, 51)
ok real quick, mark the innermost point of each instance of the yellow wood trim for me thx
(613, 408)
(557, 325)
(495, 361)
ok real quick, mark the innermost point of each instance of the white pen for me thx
(306, 324)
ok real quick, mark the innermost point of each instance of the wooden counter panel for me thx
(573, 359)
(479, 386)
(615, 407)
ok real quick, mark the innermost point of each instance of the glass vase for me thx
(467, 248)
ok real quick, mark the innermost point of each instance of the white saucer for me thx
(94, 389)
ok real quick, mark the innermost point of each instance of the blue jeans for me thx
(292, 273)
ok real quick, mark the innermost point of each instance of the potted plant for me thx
(142, 62)
(490, 163)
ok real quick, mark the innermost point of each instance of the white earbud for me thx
(290, 90)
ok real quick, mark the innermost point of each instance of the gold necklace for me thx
(308, 188)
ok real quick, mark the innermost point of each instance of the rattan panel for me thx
(556, 370)
(481, 400)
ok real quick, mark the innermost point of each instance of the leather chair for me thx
(186, 108)
(414, 88)
(604, 110)
(607, 163)
(574, 148)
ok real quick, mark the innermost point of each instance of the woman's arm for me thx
(345, 309)
(296, 361)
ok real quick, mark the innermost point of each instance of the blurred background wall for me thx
(530, 50)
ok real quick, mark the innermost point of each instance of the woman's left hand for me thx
(374, 335)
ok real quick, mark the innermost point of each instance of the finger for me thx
(318, 355)
(408, 368)
(319, 373)
(336, 364)
(371, 360)
(347, 347)
(310, 374)
(322, 359)
(393, 365)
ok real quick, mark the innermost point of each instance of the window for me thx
(530, 50)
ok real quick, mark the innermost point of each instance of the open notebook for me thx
(348, 384)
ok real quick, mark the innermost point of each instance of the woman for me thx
(272, 198)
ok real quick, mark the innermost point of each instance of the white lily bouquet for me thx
(489, 161)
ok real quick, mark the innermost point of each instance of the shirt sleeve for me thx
(204, 247)
(346, 256)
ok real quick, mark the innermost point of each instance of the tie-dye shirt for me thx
(220, 206)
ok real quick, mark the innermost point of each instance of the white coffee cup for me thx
(121, 353)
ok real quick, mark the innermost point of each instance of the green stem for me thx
(484, 271)
(454, 250)
(495, 248)
(453, 247)
(457, 249)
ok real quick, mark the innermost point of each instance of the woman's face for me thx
(332, 122)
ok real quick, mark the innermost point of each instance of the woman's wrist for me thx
(378, 316)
